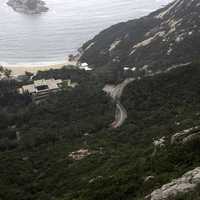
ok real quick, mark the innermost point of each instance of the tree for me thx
(71, 57)
(7, 72)
(29, 74)
(1, 69)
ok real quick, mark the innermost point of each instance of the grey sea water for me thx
(50, 37)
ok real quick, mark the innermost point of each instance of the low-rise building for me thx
(84, 66)
(42, 85)
(39, 89)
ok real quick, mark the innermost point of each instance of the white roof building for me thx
(126, 68)
(53, 84)
(42, 86)
(29, 88)
(85, 67)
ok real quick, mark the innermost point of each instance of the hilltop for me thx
(166, 37)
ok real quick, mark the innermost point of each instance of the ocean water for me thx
(51, 36)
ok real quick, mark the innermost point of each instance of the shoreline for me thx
(20, 69)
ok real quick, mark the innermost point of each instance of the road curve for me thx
(120, 115)
(115, 92)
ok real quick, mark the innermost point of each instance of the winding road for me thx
(115, 92)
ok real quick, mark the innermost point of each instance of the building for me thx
(85, 66)
(41, 88)
(42, 85)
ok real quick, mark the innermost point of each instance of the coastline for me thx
(20, 69)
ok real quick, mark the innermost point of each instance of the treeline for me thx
(9, 94)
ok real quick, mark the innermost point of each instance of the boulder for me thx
(186, 136)
(188, 183)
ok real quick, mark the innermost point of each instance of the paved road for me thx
(115, 92)
(120, 115)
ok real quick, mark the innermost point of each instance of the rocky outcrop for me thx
(186, 136)
(188, 183)
(80, 154)
(28, 6)
(167, 37)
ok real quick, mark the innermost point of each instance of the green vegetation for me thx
(4, 71)
(38, 166)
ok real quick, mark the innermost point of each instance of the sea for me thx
(50, 37)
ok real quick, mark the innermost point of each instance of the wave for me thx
(36, 64)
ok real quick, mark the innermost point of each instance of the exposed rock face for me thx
(28, 6)
(80, 154)
(186, 136)
(188, 183)
(167, 37)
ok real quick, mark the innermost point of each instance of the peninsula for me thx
(28, 6)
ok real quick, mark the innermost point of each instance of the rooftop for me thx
(42, 85)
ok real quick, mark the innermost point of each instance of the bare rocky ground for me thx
(186, 184)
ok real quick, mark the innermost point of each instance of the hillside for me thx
(128, 133)
(67, 149)
(166, 37)
(28, 6)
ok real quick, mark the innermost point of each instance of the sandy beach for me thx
(20, 69)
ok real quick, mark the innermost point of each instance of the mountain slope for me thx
(117, 162)
(167, 37)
